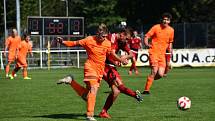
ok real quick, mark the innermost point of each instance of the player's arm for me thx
(148, 35)
(6, 47)
(117, 58)
(67, 43)
(146, 41)
(30, 50)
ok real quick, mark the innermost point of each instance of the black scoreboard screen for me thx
(66, 26)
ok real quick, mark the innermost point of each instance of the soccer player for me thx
(21, 60)
(97, 47)
(112, 76)
(162, 37)
(11, 44)
(135, 44)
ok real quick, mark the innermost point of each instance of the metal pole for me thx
(67, 8)
(39, 7)
(18, 17)
(41, 39)
(5, 21)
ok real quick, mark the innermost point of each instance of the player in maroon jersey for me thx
(135, 44)
(112, 77)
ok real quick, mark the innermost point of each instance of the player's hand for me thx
(117, 63)
(32, 55)
(59, 40)
(4, 53)
(124, 60)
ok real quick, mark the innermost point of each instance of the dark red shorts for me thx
(111, 75)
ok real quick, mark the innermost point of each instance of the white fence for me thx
(76, 58)
(57, 59)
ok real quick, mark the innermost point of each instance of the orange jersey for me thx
(161, 37)
(12, 44)
(97, 52)
(23, 49)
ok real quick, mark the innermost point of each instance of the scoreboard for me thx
(65, 26)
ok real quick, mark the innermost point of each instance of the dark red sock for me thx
(127, 91)
(132, 67)
(109, 102)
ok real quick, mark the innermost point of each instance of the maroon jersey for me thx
(134, 43)
(112, 37)
(117, 45)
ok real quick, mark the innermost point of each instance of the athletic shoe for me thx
(90, 118)
(27, 78)
(67, 80)
(104, 115)
(139, 97)
(130, 72)
(146, 92)
(10, 76)
(7, 76)
(15, 75)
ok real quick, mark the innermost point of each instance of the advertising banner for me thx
(182, 57)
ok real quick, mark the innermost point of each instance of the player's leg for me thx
(80, 90)
(135, 67)
(154, 69)
(7, 68)
(168, 64)
(161, 68)
(123, 89)
(132, 66)
(92, 86)
(11, 58)
(22, 62)
(25, 73)
(15, 70)
(150, 79)
(109, 102)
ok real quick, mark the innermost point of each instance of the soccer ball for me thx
(184, 103)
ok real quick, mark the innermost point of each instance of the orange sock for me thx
(149, 83)
(7, 69)
(25, 73)
(80, 90)
(91, 101)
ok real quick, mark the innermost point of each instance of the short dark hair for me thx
(25, 35)
(166, 14)
(127, 31)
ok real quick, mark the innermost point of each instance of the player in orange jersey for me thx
(135, 44)
(97, 48)
(23, 49)
(162, 37)
(11, 44)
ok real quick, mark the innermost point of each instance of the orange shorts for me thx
(92, 83)
(92, 76)
(11, 57)
(21, 62)
(157, 60)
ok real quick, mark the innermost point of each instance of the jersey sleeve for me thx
(151, 32)
(81, 42)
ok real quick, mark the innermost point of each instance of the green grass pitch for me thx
(40, 99)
